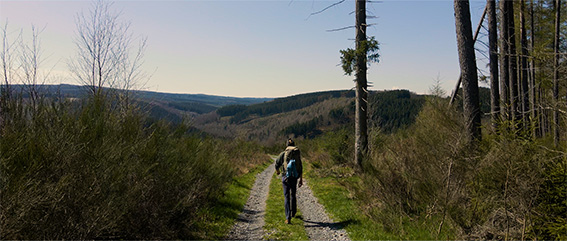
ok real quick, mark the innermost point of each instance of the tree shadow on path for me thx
(332, 226)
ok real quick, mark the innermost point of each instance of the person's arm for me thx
(279, 162)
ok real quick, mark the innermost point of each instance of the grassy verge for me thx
(338, 204)
(275, 227)
(343, 207)
(216, 221)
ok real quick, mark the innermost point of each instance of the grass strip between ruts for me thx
(274, 227)
(216, 221)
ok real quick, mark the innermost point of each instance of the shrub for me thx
(90, 172)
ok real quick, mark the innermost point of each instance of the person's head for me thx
(290, 142)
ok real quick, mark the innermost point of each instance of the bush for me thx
(92, 172)
(428, 182)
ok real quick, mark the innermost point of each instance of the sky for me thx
(260, 48)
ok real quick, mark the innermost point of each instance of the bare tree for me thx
(504, 61)
(477, 31)
(467, 62)
(104, 51)
(524, 67)
(493, 56)
(536, 130)
(513, 64)
(7, 60)
(556, 72)
(30, 60)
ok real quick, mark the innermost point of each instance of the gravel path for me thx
(318, 225)
(250, 223)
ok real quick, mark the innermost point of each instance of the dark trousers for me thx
(289, 189)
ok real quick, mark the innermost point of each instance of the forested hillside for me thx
(309, 115)
(170, 107)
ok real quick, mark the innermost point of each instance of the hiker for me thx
(291, 175)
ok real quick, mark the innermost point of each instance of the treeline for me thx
(389, 111)
(240, 112)
(306, 129)
(527, 69)
(190, 106)
(425, 182)
(532, 92)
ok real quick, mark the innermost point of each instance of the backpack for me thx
(291, 169)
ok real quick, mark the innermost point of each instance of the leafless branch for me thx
(340, 29)
(326, 8)
(106, 53)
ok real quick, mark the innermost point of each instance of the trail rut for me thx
(250, 222)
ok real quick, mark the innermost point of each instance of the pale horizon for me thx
(263, 49)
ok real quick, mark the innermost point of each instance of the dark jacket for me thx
(295, 154)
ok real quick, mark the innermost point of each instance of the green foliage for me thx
(230, 110)
(392, 110)
(306, 129)
(550, 219)
(196, 107)
(90, 172)
(484, 98)
(367, 51)
(215, 221)
(282, 105)
(427, 182)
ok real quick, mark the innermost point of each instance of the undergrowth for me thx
(91, 170)
(429, 182)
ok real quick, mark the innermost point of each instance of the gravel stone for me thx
(250, 223)
(318, 225)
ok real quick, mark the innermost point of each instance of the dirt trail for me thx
(250, 222)
(318, 225)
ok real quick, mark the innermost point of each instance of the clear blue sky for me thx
(262, 48)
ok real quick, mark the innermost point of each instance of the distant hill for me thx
(172, 107)
(309, 115)
(269, 120)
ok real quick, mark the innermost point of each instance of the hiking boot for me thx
(287, 221)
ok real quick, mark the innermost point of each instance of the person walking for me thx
(292, 176)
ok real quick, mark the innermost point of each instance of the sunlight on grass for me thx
(335, 198)
(275, 227)
(216, 222)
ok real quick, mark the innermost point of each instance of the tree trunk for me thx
(493, 55)
(513, 58)
(536, 132)
(524, 67)
(361, 115)
(556, 73)
(458, 85)
(504, 62)
(467, 62)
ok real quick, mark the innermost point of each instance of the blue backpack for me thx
(291, 169)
